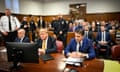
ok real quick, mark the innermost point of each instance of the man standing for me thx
(9, 26)
(41, 23)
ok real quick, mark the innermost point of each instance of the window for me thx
(13, 5)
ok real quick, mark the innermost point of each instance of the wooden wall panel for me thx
(89, 17)
(49, 18)
(103, 16)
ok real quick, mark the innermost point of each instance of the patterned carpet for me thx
(4, 65)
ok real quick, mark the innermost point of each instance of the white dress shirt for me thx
(4, 24)
(79, 44)
(103, 36)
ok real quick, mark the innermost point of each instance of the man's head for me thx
(79, 35)
(41, 18)
(21, 33)
(24, 18)
(7, 12)
(43, 33)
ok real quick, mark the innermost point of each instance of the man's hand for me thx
(5, 33)
(41, 51)
(102, 42)
(77, 55)
(60, 32)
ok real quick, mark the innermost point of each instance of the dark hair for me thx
(79, 31)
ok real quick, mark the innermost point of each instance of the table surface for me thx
(58, 65)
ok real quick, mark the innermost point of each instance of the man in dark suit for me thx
(80, 46)
(54, 23)
(32, 28)
(24, 25)
(41, 23)
(46, 44)
(87, 32)
(103, 40)
(21, 36)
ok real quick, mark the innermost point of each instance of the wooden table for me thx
(58, 65)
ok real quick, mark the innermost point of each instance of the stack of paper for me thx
(74, 61)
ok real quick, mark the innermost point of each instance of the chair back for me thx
(115, 52)
(59, 46)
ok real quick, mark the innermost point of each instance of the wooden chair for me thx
(60, 46)
(69, 36)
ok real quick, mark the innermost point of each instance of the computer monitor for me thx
(22, 52)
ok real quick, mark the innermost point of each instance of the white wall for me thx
(2, 5)
(55, 7)
(33, 7)
(93, 6)
(103, 6)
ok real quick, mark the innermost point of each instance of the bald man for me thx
(46, 44)
(21, 36)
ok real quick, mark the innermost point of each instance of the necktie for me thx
(102, 36)
(78, 47)
(43, 44)
(10, 28)
(20, 40)
(87, 34)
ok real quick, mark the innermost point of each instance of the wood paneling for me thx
(89, 16)
(103, 16)
(48, 19)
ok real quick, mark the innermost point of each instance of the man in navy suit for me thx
(87, 33)
(21, 36)
(103, 40)
(46, 44)
(80, 46)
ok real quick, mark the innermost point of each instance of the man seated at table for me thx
(46, 44)
(21, 36)
(80, 46)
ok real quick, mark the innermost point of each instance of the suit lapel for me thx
(48, 41)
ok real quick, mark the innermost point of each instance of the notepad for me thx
(74, 61)
(46, 57)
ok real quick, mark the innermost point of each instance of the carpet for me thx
(111, 66)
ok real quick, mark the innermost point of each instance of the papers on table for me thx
(74, 61)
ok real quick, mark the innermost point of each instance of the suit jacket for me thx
(86, 47)
(51, 45)
(107, 36)
(23, 23)
(61, 26)
(89, 34)
(32, 26)
(25, 39)
(43, 24)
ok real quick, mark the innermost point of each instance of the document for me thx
(74, 61)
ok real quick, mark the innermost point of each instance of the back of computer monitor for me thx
(23, 52)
